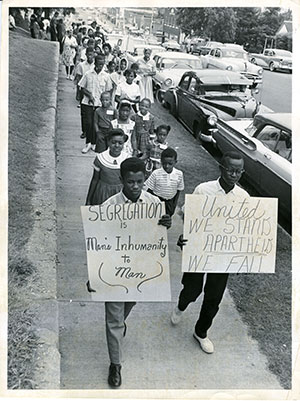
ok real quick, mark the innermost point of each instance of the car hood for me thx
(230, 106)
(240, 125)
(241, 65)
(174, 74)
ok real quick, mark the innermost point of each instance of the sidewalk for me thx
(156, 354)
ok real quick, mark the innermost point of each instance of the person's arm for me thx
(108, 84)
(93, 184)
(96, 121)
(136, 100)
(118, 94)
(176, 197)
(88, 94)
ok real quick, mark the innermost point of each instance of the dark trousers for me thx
(170, 204)
(213, 292)
(87, 123)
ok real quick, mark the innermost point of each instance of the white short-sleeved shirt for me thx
(124, 90)
(164, 184)
(96, 84)
(84, 67)
(214, 188)
(120, 198)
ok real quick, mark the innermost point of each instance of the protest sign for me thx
(127, 252)
(229, 236)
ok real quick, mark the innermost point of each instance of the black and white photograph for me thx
(146, 200)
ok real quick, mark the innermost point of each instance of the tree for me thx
(217, 23)
(247, 27)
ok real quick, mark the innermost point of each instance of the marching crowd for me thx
(133, 163)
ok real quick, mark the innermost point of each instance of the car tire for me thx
(159, 96)
(272, 67)
(197, 133)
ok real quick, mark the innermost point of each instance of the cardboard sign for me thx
(229, 236)
(127, 252)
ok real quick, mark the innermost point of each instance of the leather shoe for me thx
(114, 375)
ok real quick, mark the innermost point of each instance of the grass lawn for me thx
(28, 97)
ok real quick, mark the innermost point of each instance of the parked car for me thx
(169, 70)
(233, 58)
(206, 96)
(138, 52)
(206, 48)
(266, 144)
(273, 59)
(171, 45)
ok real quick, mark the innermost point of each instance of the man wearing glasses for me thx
(232, 168)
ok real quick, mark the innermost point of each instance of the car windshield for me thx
(181, 63)
(234, 54)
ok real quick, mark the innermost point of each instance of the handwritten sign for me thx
(229, 236)
(127, 252)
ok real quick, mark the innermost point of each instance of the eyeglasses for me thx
(233, 171)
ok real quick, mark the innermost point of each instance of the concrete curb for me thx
(41, 248)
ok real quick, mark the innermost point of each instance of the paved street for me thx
(156, 355)
(277, 91)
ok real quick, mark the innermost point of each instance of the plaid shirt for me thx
(156, 150)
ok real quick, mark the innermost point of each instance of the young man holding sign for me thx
(132, 171)
(232, 168)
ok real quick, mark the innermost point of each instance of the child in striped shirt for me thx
(167, 181)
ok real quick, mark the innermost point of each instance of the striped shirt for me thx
(164, 184)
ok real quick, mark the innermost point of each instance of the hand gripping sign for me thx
(229, 236)
(127, 252)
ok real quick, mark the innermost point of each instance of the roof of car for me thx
(231, 47)
(220, 77)
(283, 120)
(177, 55)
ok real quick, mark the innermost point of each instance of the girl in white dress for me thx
(146, 71)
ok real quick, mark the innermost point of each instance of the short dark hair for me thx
(169, 152)
(111, 62)
(100, 57)
(106, 45)
(162, 126)
(128, 72)
(146, 99)
(231, 155)
(132, 164)
(134, 65)
(116, 132)
(89, 49)
(124, 104)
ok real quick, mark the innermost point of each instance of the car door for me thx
(275, 158)
(263, 59)
(182, 94)
(216, 59)
(210, 58)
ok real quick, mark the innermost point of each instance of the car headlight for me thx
(212, 120)
(168, 82)
(260, 71)
(229, 68)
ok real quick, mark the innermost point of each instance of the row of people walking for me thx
(134, 163)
